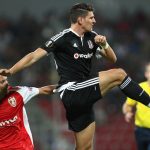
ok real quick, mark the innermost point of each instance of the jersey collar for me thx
(75, 32)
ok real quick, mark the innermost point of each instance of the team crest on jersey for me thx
(90, 43)
(12, 101)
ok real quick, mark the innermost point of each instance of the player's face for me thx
(88, 22)
(147, 72)
(3, 85)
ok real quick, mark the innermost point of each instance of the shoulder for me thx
(94, 33)
(25, 90)
(143, 83)
(60, 35)
(91, 34)
(130, 101)
(13, 88)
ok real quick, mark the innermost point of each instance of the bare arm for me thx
(47, 89)
(107, 51)
(128, 111)
(26, 61)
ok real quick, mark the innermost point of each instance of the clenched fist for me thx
(100, 40)
(5, 72)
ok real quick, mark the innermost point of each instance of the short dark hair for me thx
(79, 9)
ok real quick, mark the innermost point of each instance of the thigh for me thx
(84, 138)
(110, 78)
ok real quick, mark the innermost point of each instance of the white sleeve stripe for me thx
(94, 32)
(28, 92)
(57, 36)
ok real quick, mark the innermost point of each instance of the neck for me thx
(1, 97)
(3, 94)
(76, 28)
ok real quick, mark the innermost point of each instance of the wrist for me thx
(11, 72)
(105, 46)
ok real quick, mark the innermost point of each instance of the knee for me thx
(121, 73)
(87, 146)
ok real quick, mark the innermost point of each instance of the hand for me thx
(3, 84)
(100, 40)
(47, 89)
(5, 72)
(129, 116)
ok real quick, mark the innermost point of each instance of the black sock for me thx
(134, 91)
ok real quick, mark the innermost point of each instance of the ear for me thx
(80, 20)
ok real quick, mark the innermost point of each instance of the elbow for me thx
(114, 59)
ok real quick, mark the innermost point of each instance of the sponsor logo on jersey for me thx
(12, 101)
(86, 56)
(8, 122)
(90, 43)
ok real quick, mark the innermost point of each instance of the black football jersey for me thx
(72, 54)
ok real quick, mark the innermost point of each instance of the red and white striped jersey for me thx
(15, 131)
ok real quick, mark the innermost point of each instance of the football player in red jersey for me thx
(15, 131)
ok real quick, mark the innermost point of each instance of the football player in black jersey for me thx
(73, 50)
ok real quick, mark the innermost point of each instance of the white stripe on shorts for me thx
(84, 84)
(72, 86)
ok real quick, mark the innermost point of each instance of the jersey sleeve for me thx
(27, 92)
(53, 43)
(49, 46)
(98, 54)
